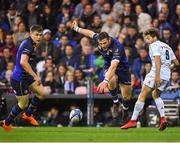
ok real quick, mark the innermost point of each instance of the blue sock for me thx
(114, 95)
(14, 112)
(33, 106)
(126, 104)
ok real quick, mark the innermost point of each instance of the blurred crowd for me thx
(66, 59)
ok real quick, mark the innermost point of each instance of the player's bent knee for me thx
(142, 98)
(23, 101)
(23, 104)
(127, 97)
(43, 94)
(155, 94)
(126, 92)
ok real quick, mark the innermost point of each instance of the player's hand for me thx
(74, 24)
(102, 87)
(38, 80)
(157, 81)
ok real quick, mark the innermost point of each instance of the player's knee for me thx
(126, 94)
(43, 94)
(142, 98)
(23, 104)
(127, 97)
(155, 94)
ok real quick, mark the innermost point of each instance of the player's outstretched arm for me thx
(85, 32)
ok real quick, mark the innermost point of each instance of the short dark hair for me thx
(37, 28)
(103, 35)
(152, 32)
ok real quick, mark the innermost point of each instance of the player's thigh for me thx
(124, 80)
(125, 91)
(38, 89)
(20, 88)
(145, 91)
(124, 77)
(156, 93)
(150, 82)
(21, 91)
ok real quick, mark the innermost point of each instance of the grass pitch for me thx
(89, 134)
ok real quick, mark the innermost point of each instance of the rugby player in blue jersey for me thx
(25, 79)
(116, 68)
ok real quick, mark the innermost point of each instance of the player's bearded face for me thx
(36, 36)
(104, 44)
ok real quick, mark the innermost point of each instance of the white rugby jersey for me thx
(166, 54)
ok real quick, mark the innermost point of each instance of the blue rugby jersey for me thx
(26, 47)
(115, 51)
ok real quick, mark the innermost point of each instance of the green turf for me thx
(50, 134)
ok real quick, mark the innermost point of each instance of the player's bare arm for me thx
(25, 64)
(108, 76)
(85, 32)
(158, 67)
(112, 69)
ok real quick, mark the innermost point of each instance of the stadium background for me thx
(67, 60)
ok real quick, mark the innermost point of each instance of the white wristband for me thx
(106, 80)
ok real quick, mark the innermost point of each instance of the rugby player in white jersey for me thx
(163, 59)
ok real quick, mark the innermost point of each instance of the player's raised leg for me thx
(138, 107)
(160, 106)
(41, 93)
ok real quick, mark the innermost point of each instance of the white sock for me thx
(137, 109)
(160, 106)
